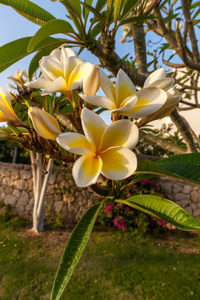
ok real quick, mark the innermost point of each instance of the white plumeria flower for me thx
(158, 79)
(44, 123)
(92, 80)
(62, 71)
(6, 111)
(123, 98)
(19, 78)
(103, 149)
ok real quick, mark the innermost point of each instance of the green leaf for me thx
(128, 7)
(52, 27)
(175, 169)
(30, 11)
(8, 56)
(117, 9)
(136, 19)
(163, 209)
(86, 11)
(95, 12)
(74, 16)
(74, 249)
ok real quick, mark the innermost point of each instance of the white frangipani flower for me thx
(44, 123)
(62, 71)
(158, 79)
(103, 149)
(6, 111)
(123, 99)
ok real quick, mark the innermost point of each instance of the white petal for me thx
(69, 65)
(86, 170)
(118, 163)
(124, 87)
(164, 84)
(98, 101)
(75, 143)
(40, 83)
(122, 133)
(156, 75)
(126, 105)
(58, 85)
(51, 67)
(92, 81)
(68, 52)
(93, 126)
(77, 74)
(107, 86)
(149, 101)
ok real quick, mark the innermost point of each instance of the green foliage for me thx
(30, 11)
(74, 249)
(184, 166)
(50, 28)
(8, 219)
(7, 153)
(124, 218)
(164, 209)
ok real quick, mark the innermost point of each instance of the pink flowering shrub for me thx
(125, 218)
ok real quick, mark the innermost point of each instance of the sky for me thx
(13, 26)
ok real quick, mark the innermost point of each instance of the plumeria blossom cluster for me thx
(96, 148)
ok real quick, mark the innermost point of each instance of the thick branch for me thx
(162, 143)
(184, 130)
(190, 28)
(140, 46)
(176, 43)
(113, 62)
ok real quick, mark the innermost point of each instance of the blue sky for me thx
(14, 26)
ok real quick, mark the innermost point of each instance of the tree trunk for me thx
(39, 188)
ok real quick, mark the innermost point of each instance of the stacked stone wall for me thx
(65, 198)
(62, 197)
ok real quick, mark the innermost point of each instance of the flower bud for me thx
(92, 81)
(4, 135)
(6, 111)
(44, 123)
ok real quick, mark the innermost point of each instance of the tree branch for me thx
(113, 62)
(140, 46)
(190, 28)
(184, 130)
(162, 143)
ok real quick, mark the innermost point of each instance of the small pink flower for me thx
(136, 219)
(144, 182)
(108, 209)
(128, 195)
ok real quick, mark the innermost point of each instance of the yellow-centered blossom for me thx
(122, 99)
(103, 149)
(44, 123)
(62, 71)
(6, 111)
(158, 79)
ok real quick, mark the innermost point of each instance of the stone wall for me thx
(64, 197)
(185, 194)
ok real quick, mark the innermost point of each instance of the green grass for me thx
(113, 266)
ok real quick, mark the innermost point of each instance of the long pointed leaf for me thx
(9, 57)
(164, 209)
(117, 9)
(95, 12)
(128, 7)
(180, 170)
(74, 249)
(30, 11)
(52, 27)
(73, 15)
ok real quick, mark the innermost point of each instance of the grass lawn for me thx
(113, 266)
